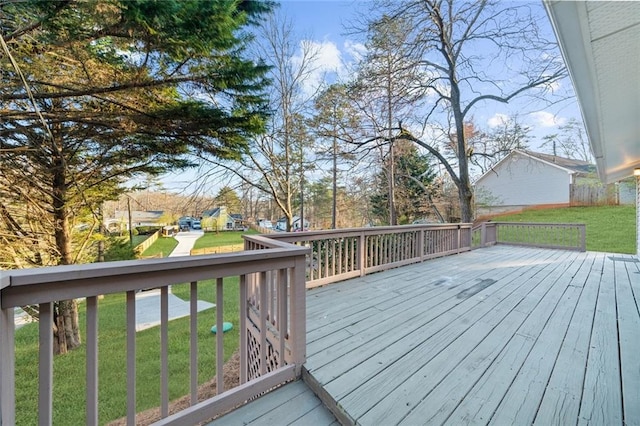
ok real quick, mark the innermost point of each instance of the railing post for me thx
(583, 238)
(421, 243)
(7, 367)
(483, 234)
(45, 368)
(298, 323)
(362, 254)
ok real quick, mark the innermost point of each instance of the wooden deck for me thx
(291, 404)
(501, 335)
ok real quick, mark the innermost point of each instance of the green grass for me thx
(223, 238)
(163, 245)
(609, 228)
(139, 239)
(69, 370)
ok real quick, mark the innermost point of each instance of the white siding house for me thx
(526, 178)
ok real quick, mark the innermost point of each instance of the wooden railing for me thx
(276, 342)
(567, 236)
(337, 255)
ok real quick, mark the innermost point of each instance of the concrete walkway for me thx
(148, 302)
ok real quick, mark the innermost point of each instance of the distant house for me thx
(281, 224)
(525, 178)
(236, 222)
(215, 219)
(120, 221)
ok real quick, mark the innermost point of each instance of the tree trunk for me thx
(465, 192)
(66, 330)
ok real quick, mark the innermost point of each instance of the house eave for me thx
(599, 42)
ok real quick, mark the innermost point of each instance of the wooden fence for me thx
(220, 249)
(140, 248)
(593, 195)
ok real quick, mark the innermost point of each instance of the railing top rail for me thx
(268, 241)
(4, 280)
(348, 232)
(539, 223)
(29, 286)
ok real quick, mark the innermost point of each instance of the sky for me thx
(325, 23)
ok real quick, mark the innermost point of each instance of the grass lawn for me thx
(163, 246)
(223, 238)
(609, 228)
(139, 239)
(69, 370)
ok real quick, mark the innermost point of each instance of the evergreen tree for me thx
(96, 92)
(413, 178)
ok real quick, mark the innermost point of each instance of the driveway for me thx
(186, 240)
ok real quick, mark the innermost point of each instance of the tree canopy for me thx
(96, 92)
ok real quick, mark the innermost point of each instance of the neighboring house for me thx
(281, 224)
(216, 219)
(120, 221)
(235, 222)
(525, 178)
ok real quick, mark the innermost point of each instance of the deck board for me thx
(477, 384)
(561, 401)
(601, 397)
(629, 338)
(434, 338)
(291, 404)
(502, 335)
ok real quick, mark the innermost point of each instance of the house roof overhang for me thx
(600, 43)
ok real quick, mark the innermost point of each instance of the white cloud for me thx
(498, 119)
(327, 59)
(357, 51)
(547, 119)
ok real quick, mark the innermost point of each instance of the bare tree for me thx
(335, 120)
(486, 149)
(280, 156)
(571, 142)
(474, 52)
(387, 87)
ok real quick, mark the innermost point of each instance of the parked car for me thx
(196, 224)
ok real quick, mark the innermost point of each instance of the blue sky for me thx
(324, 21)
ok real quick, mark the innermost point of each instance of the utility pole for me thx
(130, 222)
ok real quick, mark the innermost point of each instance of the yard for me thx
(68, 395)
(609, 228)
(69, 372)
(224, 238)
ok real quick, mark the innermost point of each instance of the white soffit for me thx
(600, 43)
